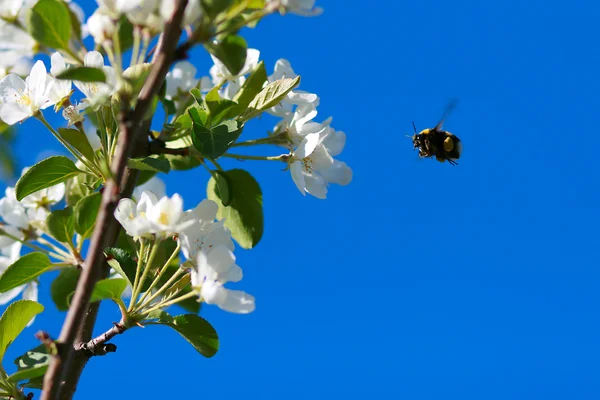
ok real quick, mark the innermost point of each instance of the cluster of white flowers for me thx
(205, 243)
(17, 47)
(315, 144)
(220, 74)
(150, 14)
(21, 220)
(304, 8)
(21, 99)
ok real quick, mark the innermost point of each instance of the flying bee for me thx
(435, 142)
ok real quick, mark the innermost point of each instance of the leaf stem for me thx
(281, 157)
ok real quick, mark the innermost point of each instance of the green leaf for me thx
(195, 329)
(31, 364)
(145, 176)
(76, 25)
(24, 270)
(83, 74)
(61, 224)
(214, 142)
(231, 51)
(86, 212)
(15, 318)
(50, 24)
(79, 141)
(270, 96)
(46, 173)
(80, 186)
(223, 188)
(252, 86)
(159, 316)
(179, 163)
(63, 287)
(194, 115)
(109, 289)
(160, 164)
(34, 383)
(212, 8)
(218, 108)
(122, 262)
(29, 373)
(244, 215)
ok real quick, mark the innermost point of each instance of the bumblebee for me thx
(435, 142)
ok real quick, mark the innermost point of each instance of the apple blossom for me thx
(283, 69)
(59, 88)
(21, 99)
(205, 233)
(215, 267)
(96, 92)
(151, 216)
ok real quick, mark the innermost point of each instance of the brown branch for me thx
(98, 345)
(61, 378)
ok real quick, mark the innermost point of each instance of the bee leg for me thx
(452, 162)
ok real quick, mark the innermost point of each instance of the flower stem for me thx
(135, 52)
(164, 287)
(162, 272)
(147, 268)
(40, 117)
(145, 42)
(256, 142)
(170, 302)
(137, 273)
(281, 157)
(35, 247)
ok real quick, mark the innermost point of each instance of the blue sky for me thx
(420, 279)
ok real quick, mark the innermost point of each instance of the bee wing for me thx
(449, 108)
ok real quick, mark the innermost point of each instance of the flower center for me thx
(163, 218)
(307, 165)
(23, 98)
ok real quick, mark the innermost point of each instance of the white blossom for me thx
(220, 73)
(181, 78)
(283, 69)
(154, 185)
(205, 232)
(312, 166)
(305, 8)
(214, 268)
(21, 99)
(151, 216)
(59, 89)
(192, 12)
(45, 198)
(97, 92)
(75, 113)
(9, 9)
(101, 26)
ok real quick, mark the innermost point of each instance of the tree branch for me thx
(61, 379)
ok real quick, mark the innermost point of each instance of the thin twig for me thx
(98, 346)
(59, 380)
